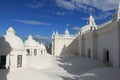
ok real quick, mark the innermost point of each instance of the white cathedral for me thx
(13, 52)
(100, 42)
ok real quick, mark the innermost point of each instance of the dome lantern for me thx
(10, 31)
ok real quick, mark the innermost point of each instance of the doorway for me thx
(19, 61)
(89, 53)
(106, 55)
(3, 62)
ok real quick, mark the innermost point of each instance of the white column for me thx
(7, 61)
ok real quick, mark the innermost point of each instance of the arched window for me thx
(35, 52)
(28, 51)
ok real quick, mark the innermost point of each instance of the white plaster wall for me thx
(116, 53)
(106, 37)
(60, 44)
(13, 59)
(87, 45)
(105, 41)
(73, 47)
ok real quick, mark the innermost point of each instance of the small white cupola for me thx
(10, 31)
(56, 33)
(30, 42)
(66, 32)
(53, 34)
(91, 21)
(30, 37)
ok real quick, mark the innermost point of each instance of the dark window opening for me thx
(107, 56)
(3, 62)
(28, 51)
(35, 52)
(19, 61)
(89, 53)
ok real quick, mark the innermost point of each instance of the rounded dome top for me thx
(66, 32)
(30, 42)
(10, 41)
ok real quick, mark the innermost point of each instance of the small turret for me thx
(56, 33)
(30, 37)
(10, 31)
(53, 34)
(116, 16)
(66, 33)
(118, 9)
(91, 20)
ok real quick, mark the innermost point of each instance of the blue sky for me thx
(42, 17)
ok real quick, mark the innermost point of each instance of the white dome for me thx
(30, 42)
(10, 41)
(66, 32)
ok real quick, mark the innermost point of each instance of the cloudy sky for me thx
(42, 17)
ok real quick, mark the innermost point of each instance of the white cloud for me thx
(76, 28)
(103, 15)
(42, 39)
(35, 5)
(32, 22)
(100, 4)
(60, 13)
(66, 4)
